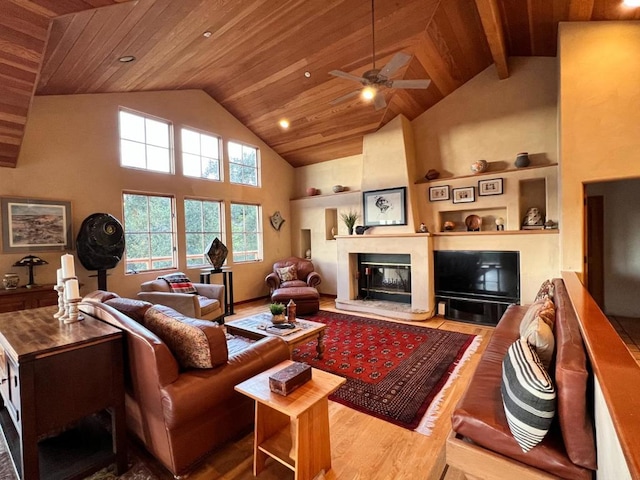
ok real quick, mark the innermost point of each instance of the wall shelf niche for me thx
(330, 223)
(483, 174)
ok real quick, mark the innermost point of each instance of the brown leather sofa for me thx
(302, 290)
(179, 414)
(482, 445)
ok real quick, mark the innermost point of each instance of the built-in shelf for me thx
(309, 197)
(501, 232)
(483, 174)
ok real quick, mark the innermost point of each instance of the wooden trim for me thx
(615, 368)
(482, 464)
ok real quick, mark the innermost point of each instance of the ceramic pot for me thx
(479, 166)
(312, 191)
(278, 319)
(522, 160)
(10, 281)
(449, 226)
(338, 188)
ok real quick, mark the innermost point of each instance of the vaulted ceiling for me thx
(255, 59)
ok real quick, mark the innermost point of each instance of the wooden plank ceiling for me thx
(255, 60)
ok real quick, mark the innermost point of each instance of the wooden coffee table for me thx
(260, 326)
(292, 429)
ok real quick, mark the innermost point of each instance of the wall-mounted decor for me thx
(30, 225)
(276, 220)
(439, 193)
(464, 195)
(492, 186)
(385, 207)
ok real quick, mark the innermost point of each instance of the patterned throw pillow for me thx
(543, 309)
(179, 283)
(194, 343)
(287, 274)
(546, 290)
(528, 395)
(540, 336)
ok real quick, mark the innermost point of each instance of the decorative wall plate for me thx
(276, 220)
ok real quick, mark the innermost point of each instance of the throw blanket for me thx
(179, 283)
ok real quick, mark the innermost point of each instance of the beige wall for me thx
(599, 117)
(70, 152)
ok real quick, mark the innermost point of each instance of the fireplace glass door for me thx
(384, 277)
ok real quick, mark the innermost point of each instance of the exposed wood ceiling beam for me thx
(492, 24)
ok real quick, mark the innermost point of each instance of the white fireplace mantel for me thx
(418, 245)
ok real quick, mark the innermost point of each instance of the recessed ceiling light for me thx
(307, 74)
(284, 123)
(126, 58)
(632, 3)
(207, 34)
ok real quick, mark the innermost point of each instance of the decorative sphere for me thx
(479, 166)
(499, 221)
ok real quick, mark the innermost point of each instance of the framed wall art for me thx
(490, 187)
(30, 225)
(437, 194)
(464, 195)
(385, 207)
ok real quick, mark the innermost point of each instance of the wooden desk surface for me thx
(35, 332)
(322, 384)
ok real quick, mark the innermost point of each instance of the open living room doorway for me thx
(612, 254)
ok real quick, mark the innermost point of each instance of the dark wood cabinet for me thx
(54, 379)
(23, 298)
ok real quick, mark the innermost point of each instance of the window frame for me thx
(170, 147)
(259, 233)
(258, 167)
(201, 132)
(222, 233)
(149, 232)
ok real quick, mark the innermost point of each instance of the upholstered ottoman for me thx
(307, 299)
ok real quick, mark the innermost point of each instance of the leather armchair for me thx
(207, 304)
(307, 277)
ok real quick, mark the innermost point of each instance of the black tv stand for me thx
(483, 312)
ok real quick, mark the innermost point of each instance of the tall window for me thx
(243, 164)
(203, 223)
(145, 142)
(246, 232)
(200, 155)
(149, 230)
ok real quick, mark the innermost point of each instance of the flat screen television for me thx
(482, 275)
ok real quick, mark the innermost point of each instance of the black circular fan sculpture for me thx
(100, 244)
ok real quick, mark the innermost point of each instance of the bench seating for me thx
(482, 445)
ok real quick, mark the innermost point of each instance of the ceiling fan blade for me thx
(341, 99)
(348, 76)
(398, 61)
(410, 83)
(379, 102)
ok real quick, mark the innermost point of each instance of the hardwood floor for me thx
(363, 447)
(629, 330)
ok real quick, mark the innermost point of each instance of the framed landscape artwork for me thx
(385, 207)
(35, 225)
(437, 194)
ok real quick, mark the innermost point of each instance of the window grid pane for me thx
(202, 225)
(200, 155)
(149, 232)
(243, 164)
(246, 235)
(145, 143)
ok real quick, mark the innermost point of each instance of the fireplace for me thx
(407, 287)
(384, 277)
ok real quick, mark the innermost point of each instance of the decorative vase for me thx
(522, 160)
(432, 174)
(312, 191)
(479, 166)
(10, 281)
(278, 319)
(338, 188)
(449, 226)
(350, 230)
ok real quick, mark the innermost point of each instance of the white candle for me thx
(68, 268)
(72, 289)
(59, 277)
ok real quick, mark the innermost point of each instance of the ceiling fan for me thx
(375, 80)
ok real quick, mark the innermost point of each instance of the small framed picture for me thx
(439, 193)
(490, 187)
(464, 195)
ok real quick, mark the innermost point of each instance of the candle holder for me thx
(61, 307)
(74, 313)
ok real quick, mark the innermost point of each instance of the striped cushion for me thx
(528, 395)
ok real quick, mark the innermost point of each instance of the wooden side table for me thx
(56, 375)
(292, 429)
(23, 298)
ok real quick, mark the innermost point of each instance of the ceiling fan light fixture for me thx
(631, 3)
(284, 123)
(368, 93)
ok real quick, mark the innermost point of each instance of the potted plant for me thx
(350, 220)
(277, 312)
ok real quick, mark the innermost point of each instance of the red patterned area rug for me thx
(394, 371)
